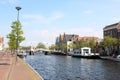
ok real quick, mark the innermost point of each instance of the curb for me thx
(30, 67)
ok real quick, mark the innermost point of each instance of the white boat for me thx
(84, 52)
(22, 54)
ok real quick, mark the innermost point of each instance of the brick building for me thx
(64, 39)
(1, 43)
(113, 30)
(67, 39)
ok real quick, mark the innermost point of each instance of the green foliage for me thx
(109, 41)
(15, 37)
(64, 46)
(88, 43)
(53, 47)
(41, 45)
(81, 44)
(72, 45)
(92, 43)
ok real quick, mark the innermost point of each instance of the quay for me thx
(10, 69)
(110, 58)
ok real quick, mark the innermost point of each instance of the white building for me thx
(68, 46)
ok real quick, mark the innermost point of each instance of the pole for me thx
(18, 8)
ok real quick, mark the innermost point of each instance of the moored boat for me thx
(22, 54)
(84, 52)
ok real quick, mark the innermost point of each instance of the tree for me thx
(81, 44)
(72, 46)
(92, 43)
(41, 45)
(15, 37)
(64, 47)
(108, 42)
(53, 47)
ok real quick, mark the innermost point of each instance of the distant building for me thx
(64, 39)
(85, 38)
(67, 39)
(1, 43)
(113, 30)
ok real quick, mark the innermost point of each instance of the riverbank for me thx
(10, 69)
(110, 58)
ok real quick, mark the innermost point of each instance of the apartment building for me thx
(113, 30)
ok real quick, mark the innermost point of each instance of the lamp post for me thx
(18, 9)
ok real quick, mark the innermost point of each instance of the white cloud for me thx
(9, 1)
(116, 19)
(49, 36)
(41, 19)
(88, 12)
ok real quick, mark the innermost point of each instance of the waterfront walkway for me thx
(10, 69)
(110, 58)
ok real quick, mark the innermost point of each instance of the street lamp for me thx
(18, 9)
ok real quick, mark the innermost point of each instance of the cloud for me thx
(36, 36)
(9, 1)
(88, 12)
(116, 19)
(41, 19)
(49, 35)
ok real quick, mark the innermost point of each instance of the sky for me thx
(44, 20)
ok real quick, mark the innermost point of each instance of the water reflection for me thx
(55, 67)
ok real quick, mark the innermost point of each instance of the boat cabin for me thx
(86, 51)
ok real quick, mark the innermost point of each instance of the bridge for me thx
(47, 51)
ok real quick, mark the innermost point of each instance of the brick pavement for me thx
(5, 64)
(12, 70)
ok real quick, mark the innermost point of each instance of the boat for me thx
(31, 51)
(22, 54)
(84, 52)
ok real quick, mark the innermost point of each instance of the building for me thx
(68, 39)
(1, 43)
(65, 40)
(113, 30)
(85, 38)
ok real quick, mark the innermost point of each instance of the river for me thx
(58, 67)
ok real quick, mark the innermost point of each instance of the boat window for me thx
(86, 50)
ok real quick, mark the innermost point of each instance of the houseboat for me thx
(84, 52)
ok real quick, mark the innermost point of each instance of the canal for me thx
(58, 67)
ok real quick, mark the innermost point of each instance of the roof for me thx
(68, 37)
(85, 38)
(85, 48)
(112, 26)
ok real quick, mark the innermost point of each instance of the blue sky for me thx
(44, 20)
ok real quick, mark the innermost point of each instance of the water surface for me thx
(57, 67)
